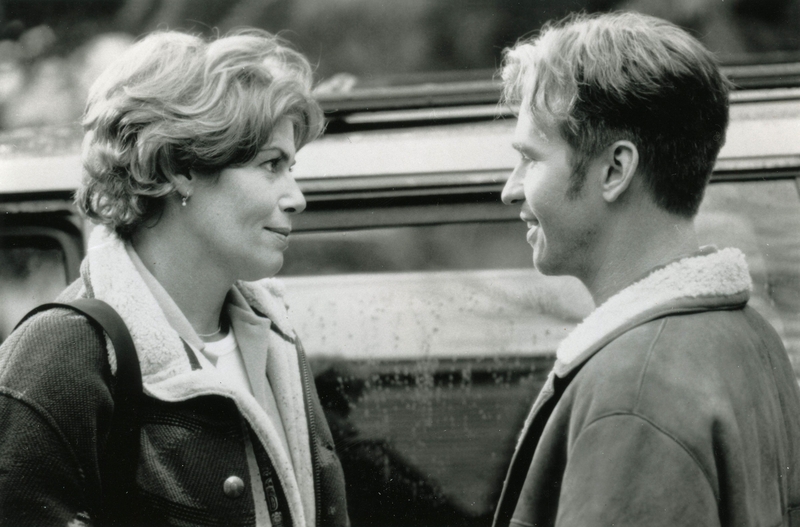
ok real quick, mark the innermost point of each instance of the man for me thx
(673, 403)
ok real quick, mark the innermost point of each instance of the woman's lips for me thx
(278, 230)
(282, 235)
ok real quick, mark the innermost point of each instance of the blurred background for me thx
(52, 50)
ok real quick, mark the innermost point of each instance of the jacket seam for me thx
(780, 398)
(647, 361)
(674, 439)
(47, 418)
(312, 432)
(274, 327)
(283, 335)
(39, 410)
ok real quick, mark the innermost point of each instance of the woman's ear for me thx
(622, 161)
(184, 184)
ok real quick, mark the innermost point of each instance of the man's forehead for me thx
(529, 126)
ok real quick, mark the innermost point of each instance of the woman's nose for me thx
(293, 200)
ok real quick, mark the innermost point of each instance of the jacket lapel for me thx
(282, 371)
(526, 447)
(167, 372)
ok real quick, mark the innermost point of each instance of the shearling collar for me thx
(717, 280)
(108, 273)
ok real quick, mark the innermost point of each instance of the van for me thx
(411, 284)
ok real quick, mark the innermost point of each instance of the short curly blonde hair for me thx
(175, 102)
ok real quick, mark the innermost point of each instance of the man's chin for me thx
(545, 267)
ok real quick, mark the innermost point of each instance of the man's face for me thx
(562, 226)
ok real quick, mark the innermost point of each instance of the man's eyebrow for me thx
(522, 148)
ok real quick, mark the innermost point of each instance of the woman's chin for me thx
(263, 270)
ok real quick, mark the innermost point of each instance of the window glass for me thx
(431, 342)
(32, 271)
(762, 218)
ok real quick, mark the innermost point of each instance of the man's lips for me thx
(533, 225)
(532, 231)
(529, 219)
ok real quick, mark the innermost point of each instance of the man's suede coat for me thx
(673, 404)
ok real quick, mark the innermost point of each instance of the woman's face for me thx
(243, 219)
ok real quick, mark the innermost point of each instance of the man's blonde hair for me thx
(597, 79)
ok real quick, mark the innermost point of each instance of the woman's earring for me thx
(183, 201)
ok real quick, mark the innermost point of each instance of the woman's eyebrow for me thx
(283, 154)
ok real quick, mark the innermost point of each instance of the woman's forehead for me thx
(282, 137)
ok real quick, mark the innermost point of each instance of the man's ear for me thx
(622, 160)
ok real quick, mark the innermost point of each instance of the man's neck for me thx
(637, 245)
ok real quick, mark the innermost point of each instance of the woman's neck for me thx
(196, 286)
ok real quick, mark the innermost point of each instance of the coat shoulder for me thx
(54, 346)
(714, 381)
(709, 361)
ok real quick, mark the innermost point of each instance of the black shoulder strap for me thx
(118, 465)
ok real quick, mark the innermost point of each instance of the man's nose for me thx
(513, 191)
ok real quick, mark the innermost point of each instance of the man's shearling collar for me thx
(716, 280)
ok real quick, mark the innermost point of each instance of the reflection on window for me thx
(32, 271)
(430, 343)
(434, 292)
(762, 218)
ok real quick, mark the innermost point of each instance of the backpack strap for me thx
(118, 464)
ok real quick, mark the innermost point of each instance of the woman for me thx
(188, 152)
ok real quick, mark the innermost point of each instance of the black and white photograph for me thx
(400, 263)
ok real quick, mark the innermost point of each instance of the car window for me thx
(41, 247)
(431, 341)
(32, 271)
(762, 218)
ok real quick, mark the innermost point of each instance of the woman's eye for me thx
(277, 165)
(273, 165)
